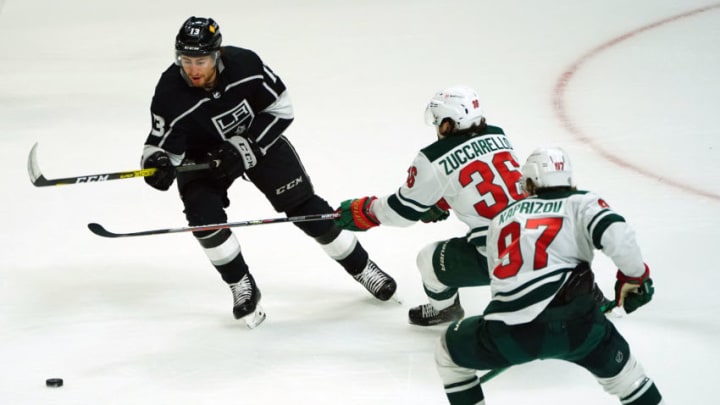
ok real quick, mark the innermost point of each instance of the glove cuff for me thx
(247, 150)
(362, 215)
(443, 205)
(633, 280)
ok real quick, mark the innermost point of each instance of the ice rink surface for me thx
(629, 89)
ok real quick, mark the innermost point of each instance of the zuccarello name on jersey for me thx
(531, 207)
(470, 150)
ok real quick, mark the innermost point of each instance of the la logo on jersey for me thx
(230, 120)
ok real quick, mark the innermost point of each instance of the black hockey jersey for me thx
(248, 99)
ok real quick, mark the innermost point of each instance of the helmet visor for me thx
(430, 117)
(185, 59)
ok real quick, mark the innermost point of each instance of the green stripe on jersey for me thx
(439, 148)
(405, 210)
(606, 218)
(531, 295)
(478, 235)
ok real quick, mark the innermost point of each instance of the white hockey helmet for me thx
(548, 167)
(459, 103)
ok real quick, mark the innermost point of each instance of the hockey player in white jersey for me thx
(539, 252)
(471, 168)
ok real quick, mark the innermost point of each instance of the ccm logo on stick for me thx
(89, 179)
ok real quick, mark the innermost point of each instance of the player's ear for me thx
(446, 127)
(529, 187)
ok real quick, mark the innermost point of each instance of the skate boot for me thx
(427, 315)
(379, 283)
(246, 301)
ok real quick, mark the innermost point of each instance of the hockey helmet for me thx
(198, 36)
(461, 104)
(548, 167)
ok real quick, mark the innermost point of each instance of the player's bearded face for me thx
(199, 69)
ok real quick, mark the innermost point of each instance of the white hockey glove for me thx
(235, 157)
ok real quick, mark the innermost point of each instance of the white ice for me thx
(630, 88)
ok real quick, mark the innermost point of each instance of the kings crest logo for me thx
(234, 121)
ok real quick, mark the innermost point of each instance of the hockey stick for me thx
(491, 374)
(100, 230)
(39, 180)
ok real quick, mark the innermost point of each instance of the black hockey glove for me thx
(165, 173)
(633, 292)
(435, 214)
(233, 158)
(438, 212)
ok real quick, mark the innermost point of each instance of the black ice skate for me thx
(426, 315)
(246, 305)
(379, 283)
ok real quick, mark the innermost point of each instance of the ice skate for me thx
(246, 305)
(427, 315)
(379, 283)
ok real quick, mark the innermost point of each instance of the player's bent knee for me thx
(631, 384)
(313, 205)
(203, 206)
(450, 373)
(427, 271)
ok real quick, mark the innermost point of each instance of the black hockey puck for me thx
(54, 382)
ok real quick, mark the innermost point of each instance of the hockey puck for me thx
(54, 382)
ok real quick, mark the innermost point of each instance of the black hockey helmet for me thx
(198, 36)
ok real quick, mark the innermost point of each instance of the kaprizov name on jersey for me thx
(532, 207)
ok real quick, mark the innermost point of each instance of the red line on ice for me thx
(560, 108)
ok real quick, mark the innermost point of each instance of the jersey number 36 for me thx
(504, 166)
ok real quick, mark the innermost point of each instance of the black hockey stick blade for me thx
(100, 230)
(39, 180)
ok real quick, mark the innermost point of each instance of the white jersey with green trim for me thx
(477, 175)
(534, 244)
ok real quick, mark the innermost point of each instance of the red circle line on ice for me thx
(561, 110)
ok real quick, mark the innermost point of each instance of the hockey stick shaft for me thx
(38, 179)
(100, 230)
(491, 374)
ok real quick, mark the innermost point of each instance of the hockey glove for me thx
(633, 292)
(355, 215)
(165, 173)
(438, 212)
(233, 158)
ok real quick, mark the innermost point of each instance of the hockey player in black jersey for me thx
(222, 104)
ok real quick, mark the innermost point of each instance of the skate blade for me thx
(256, 318)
